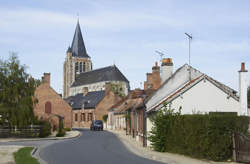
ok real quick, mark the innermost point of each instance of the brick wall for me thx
(45, 94)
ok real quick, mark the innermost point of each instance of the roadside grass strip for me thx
(23, 156)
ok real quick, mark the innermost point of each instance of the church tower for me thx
(77, 61)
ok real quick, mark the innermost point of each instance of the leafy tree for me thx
(16, 93)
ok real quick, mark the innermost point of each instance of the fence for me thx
(25, 132)
(241, 148)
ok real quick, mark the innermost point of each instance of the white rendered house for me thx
(195, 92)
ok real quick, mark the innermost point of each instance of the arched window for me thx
(76, 67)
(80, 67)
(84, 67)
(48, 107)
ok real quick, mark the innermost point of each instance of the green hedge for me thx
(200, 136)
(45, 129)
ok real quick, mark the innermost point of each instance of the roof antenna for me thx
(190, 37)
(161, 54)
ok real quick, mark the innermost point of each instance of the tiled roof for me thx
(110, 73)
(132, 101)
(89, 101)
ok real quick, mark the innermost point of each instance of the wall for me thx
(69, 71)
(178, 80)
(106, 103)
(45, 93)
(205, 97)
(97, 87)
(80, 120)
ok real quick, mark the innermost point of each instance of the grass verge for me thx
(23, 156)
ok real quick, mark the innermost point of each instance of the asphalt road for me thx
(93, 147)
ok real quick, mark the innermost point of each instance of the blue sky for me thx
(127, 33)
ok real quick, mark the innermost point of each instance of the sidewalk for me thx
(6, 154)
(70, 134)
(169, 158)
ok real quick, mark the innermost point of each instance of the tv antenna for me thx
(189, 41)
(160, 53)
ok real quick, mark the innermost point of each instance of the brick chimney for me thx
(46, 78)
(243, 82)
(107, 88)
(85, 91)
(153, 79)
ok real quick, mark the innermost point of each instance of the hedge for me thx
(200, 136)
(45, 129)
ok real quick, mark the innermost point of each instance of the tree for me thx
(16, 93)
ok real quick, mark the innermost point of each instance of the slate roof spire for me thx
(78, 47)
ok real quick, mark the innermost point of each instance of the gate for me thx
(241, 148)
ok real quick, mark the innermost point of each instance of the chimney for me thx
(156, 68)
(243, 90)
(167, 69)
(46, 78)
(85, 91)
(107, 88)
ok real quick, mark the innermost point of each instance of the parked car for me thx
(96, 125)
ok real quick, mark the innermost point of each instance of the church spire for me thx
(78, 47)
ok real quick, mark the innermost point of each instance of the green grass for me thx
(23, 156)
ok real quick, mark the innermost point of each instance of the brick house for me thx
(89, 106)
(50, 104)
(129, 113)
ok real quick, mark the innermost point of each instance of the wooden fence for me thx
(241, 151)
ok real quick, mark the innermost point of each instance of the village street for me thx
(91, 147)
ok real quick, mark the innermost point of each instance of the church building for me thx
(78, 73)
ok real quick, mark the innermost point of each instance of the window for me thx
(84, 67)
(76, 117)
(76, 67)
(83, 117)
(90, 118)
(80, 67)
(48, 107)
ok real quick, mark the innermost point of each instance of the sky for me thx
(127, 34)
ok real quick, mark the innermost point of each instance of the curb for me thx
(41, 139)
(36, 151)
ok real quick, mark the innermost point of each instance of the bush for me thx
(61, 133)
(67, 129)
(105, 118)
(45, 129)
(200, 136)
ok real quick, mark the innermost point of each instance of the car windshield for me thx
(98, 122)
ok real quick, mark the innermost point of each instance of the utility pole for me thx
(189, 42)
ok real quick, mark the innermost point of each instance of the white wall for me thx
(205, 97)
(179, 79)
(97, 87)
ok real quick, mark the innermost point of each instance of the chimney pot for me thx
(243, 67)
(85, 91)
(46, 78)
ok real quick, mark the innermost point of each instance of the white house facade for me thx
(196, 93)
